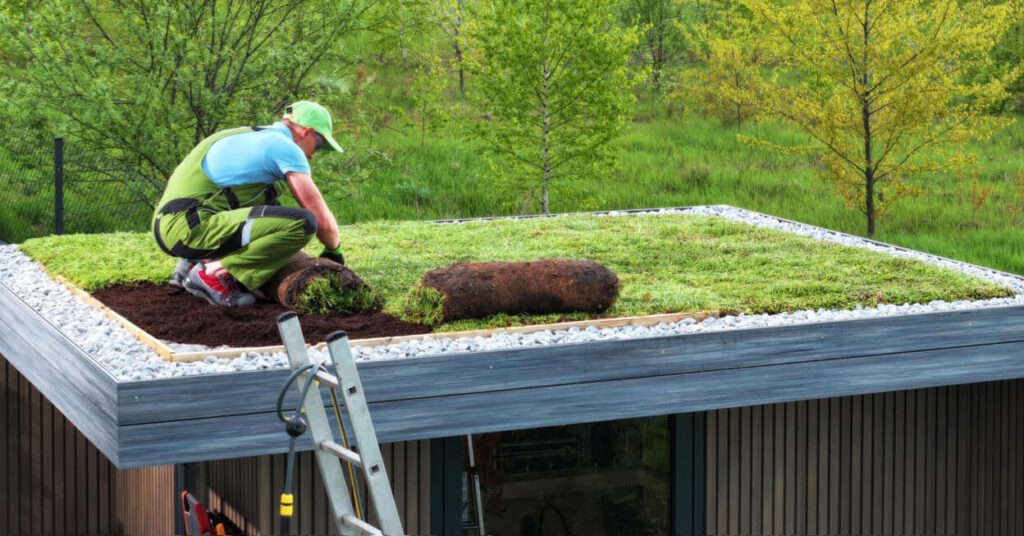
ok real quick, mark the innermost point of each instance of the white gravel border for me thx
(127, 359)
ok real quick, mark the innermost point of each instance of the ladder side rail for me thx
(374, 471)
(319, 429)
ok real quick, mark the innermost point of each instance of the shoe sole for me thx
(201, 292)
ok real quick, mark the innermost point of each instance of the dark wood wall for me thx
(54, 481)
(941, 461)
(248, 490)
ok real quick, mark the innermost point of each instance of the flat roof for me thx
(228, 415)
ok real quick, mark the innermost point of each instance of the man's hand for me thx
(333, 255)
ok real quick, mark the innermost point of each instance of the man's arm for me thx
(309, 198)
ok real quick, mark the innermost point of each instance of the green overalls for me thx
(243, 226)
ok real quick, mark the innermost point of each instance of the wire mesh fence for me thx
(27, 200)
(55, 186)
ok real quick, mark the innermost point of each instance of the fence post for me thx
(58, 185)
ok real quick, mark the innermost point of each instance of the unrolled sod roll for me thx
(479, 289)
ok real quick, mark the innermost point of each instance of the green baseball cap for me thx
(311, 114)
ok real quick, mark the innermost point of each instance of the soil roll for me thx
(478, 289)
(290, 282)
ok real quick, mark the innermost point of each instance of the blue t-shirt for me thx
(261, 156)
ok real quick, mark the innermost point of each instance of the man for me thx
(220, 214)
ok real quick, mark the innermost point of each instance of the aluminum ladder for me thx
(330, 454)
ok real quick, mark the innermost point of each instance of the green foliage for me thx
(1008, 55)
(430, 107)
(726, 82)
(326, 294)
(661, 41)
(144, 81)
(551, 84)
(424, 305)
(878, 83)
(399, 25)
(665, 263)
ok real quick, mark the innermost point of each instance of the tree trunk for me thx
(458, 48)
(547, 131)
(869, 164)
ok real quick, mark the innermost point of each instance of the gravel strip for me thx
(127, 359)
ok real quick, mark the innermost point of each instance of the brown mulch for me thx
(172, 314)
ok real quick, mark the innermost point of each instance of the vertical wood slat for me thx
(711, 511)
(936, 461)
(53, 481)
(247, 490)
(5, 477)
(733, 463)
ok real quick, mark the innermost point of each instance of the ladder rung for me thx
(328, 378)
(354, 521)
(342, 452)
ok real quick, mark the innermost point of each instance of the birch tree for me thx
(553, 82)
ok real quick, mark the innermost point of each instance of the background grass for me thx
(666, 264)
(696, 161)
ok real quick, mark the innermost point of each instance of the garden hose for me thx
(295, 425)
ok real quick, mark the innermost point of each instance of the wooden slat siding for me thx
(756, 467)
(144, 500)
(248, 490)
(877, 490)
(743, 462)
(800, 459)
(46, 480)
(711, 512)
(5, 478)
(812, 456)
(24, 454)
(54, 482)
(734, 466)
(862, 516)
(956, 456)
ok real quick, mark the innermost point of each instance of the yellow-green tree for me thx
(727, 81)
(882, 87)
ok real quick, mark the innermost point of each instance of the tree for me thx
(662, 40)
(881, 86)
(144, 80)
(552, 79)
(726, 82)
(430, 107)
(401, 24)
(452, 15)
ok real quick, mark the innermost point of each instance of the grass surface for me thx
(665, 263)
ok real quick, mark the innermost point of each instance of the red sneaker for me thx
(216, 290)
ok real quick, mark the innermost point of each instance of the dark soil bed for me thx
(171, 314)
